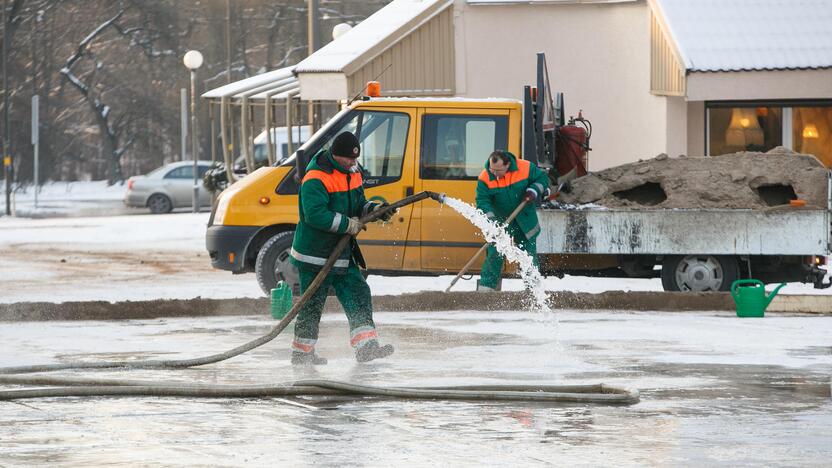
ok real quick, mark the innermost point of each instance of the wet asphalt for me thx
(715, 390)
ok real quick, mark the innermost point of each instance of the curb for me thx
(430, 301)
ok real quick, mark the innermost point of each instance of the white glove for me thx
(354, 226)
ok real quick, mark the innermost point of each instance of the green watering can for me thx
(750, 297)
(281, 300)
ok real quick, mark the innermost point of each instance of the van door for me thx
(455, 144)
(388, 145)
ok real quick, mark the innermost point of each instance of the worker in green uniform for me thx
(503, 184)
(331, 201)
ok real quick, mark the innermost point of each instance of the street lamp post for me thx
(193, 60)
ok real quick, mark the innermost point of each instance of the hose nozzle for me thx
(440, 197)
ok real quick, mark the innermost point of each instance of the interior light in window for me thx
(744, 128)
(810, 131)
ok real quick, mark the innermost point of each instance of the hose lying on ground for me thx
(183, 363)
(104, 387)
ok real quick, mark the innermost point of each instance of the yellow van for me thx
(407, 146)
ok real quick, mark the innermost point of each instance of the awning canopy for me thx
(276, 84)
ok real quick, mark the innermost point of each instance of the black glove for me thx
(386, 216)
(531, 195)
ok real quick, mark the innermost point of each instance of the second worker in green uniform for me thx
(503, 184)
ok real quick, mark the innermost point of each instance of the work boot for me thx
(307, 359)
(372, 350)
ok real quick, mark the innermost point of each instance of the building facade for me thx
(654, 76)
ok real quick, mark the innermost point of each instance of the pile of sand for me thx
(738, 180)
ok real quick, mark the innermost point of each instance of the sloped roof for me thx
(735, 35)
(372, 36)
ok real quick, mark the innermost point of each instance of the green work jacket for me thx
(329, 195)
(498, 197)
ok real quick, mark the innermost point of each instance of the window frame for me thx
(787, 106)
(501, 123)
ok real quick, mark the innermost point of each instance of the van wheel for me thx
(159, 204)
(699, 273)
(273, 263)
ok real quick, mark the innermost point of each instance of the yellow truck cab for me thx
(407, 146)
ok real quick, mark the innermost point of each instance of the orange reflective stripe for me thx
(335, 182)
(367, 335)
(523, 168)
(511, 178)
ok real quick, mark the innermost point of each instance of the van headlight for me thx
(222, 206)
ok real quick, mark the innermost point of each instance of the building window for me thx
(812, 132)
(749, 127)
(735, 129)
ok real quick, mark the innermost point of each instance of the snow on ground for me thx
(59, 199)
(112, 258)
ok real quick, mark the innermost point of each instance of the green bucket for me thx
(281, 300)
(750, 297)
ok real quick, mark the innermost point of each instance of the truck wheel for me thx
(699, 273)
(273, 263)
(159, 204)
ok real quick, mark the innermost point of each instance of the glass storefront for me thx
(750, 127)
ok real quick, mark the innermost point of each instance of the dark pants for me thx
(354, 295)
(492, 269)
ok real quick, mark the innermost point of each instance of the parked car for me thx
(168, 187)
(281, 143)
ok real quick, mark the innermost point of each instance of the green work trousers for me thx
(492, 269)
(353, 293)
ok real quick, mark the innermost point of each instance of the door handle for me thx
(408, 191)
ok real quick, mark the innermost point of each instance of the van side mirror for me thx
(300, 164)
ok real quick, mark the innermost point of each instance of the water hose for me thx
(200, 361)
(79, 387)
(83, 387)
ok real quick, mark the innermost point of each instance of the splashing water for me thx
(496, 234)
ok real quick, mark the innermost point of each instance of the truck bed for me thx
(786, 231)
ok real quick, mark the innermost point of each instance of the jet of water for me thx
(497, 234)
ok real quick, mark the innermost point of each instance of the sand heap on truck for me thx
(733, 181)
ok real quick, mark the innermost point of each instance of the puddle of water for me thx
(496, 234)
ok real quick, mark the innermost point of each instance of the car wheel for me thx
(273, 263)
(159, 204)
(699, 273)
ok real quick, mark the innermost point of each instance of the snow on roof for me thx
(372, 36)
(264, 80)
(502, 2)
(733, 35)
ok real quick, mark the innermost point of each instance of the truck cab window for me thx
(383, 139)
(455, 147)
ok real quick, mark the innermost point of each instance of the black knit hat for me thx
(346, 145)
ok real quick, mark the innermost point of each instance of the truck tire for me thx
(273, 263)
(699, 273)
(159, 204)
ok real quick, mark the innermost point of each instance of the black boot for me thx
(372, 350)
(307, 359)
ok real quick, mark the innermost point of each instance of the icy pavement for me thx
(715, 390)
